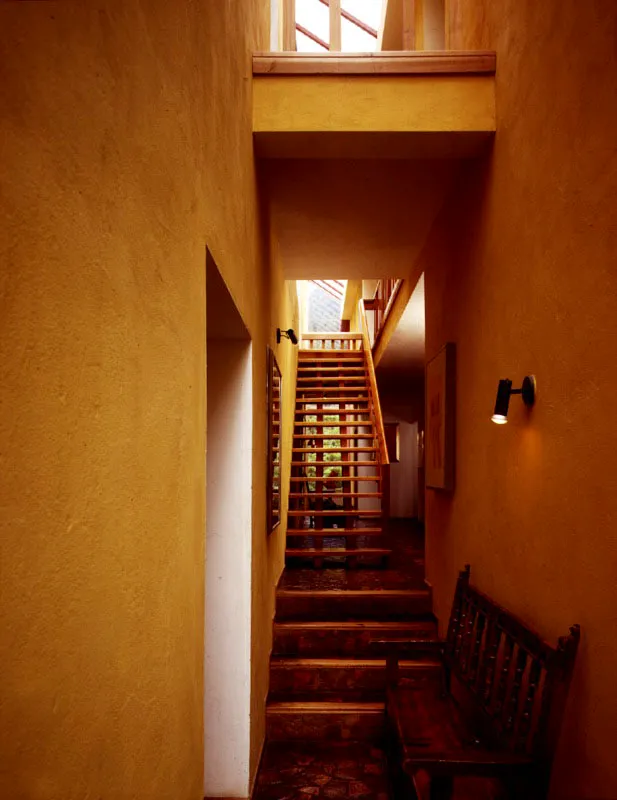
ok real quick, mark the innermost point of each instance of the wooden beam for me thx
(354, 20)
(311, 36)
(289, 25)
(335, 25)
(394, 63)
(409, 25)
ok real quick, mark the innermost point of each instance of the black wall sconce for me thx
(504, 390)
(288, 334)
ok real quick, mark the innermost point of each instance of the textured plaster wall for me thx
(353, 219)
(125, 136)
(520, 273)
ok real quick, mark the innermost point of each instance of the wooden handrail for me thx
(374, 403)
(385, 296)
(337, 335)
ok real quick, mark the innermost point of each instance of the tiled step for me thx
(352, 512)
(337, 556)
(345, 604)
(337, 552)
(334, 532)
(342, 678)
(332, 639)
(348, 495)
(331, 721)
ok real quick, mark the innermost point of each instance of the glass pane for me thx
(355, 40)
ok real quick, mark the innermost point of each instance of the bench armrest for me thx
(480, 763)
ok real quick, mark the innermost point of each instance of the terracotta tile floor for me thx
(302, 771)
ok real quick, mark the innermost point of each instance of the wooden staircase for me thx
(336, 501)
(339, 590)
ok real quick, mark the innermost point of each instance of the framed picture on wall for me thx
(440, 411)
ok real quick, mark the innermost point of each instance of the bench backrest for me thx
(513, 682)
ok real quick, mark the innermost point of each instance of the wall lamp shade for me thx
(288, 334)
(505, 391)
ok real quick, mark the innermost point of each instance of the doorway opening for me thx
(229, 458)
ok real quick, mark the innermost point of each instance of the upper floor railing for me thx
(405, 25)
(381, 305)
(331, 341)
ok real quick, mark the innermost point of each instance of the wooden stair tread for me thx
(328, 393)
(335, 464)
(324, 391)
(334, 450)
(329, 370)
(330, 401)
(333, 379)
(331, 412)
(336, 436)
(357, 423)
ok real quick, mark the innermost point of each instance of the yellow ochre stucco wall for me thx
(125, 150)
(520, 274)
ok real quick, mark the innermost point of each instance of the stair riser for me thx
(342, 608)
(340, 683)
(334, 726)
(336, 643)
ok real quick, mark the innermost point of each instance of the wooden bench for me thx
(495, 716)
